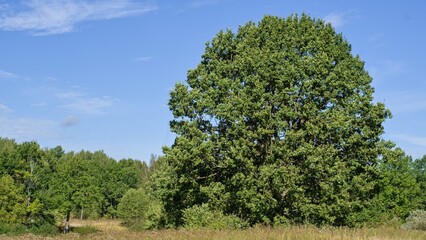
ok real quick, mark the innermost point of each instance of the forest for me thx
(276, 126)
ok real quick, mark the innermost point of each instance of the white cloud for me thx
(4, 108)
(26, 129)
(7, 75)
(339, 19)
(78, 102)
(202, 3)
(47, 17)
(95, 106)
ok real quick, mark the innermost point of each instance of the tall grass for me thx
(109, 229)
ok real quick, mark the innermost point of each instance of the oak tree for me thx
(276, 123)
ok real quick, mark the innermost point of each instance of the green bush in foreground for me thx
(139, 210)
(416, 220)
(202, 217)
(12, 229)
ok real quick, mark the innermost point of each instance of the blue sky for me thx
(97, 74)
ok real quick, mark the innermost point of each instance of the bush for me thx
(416, 220)
(203, 217)
(45, 229)
(19, 229)
(140, 210)
(12, 228)
(281, 221)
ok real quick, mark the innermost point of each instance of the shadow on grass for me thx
(82, 230)
(16, 229)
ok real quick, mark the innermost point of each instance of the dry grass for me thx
(103, 225)
(111, 229)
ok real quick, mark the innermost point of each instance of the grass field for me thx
(111, 229)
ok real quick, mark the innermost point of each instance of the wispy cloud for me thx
(4, 108)
(378, 36)
(69, 95)
(202, 3)
(96, 106)
(339, 19)
(419, 141)
(377, 40)
(7, 75)
(142, 59)
(405, 101)
(79, 102)
(386, 69)
(27, 129)
(61, 16)
(70, 121)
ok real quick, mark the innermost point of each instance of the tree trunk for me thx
(112, 205)
(67, 223)
(81, 214)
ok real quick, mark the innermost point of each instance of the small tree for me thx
(21, 184)
(399, 191)
(137, 209)
(13, 207)
(73, 187)
(420, 173)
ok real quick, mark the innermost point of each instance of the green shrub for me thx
(281, 221)
(44, 229)
(12, 228)
(19, 229)
(203, 217)
(416, 220)
(140, 210)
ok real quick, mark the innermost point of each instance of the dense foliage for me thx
(202, 216)
(276, 124)
(38, 185)
(399, 191)
(139, 210)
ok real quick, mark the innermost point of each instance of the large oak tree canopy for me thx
(277, 122)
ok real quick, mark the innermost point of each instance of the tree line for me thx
(39, 187)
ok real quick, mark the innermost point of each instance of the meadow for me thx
(111, 229)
